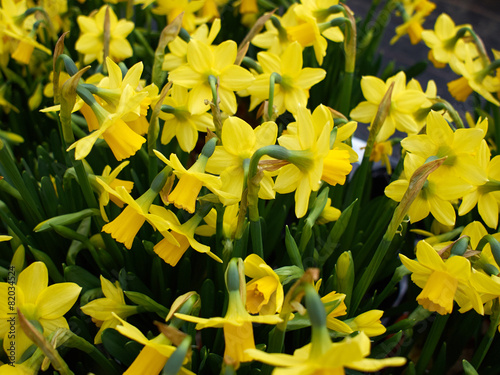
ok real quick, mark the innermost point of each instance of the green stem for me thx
(431, 343)
(477, 41)
(252, 64)
(256, 234)
(273, 79)
(487, 340)
(143, 42)
(345, 93)
(213, 82)
(219, 227)
(443, 104)
(252, 185)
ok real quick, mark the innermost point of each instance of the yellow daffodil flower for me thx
(313, 160)
(172, 8)
(274, 40)
(332, 322)
(474, 78)
(293, 90)
(180, 123)
(202, 63)
(458, 146)
(321, 356)
(349, 353)
(229, 222)
(404, 103)
(56, 11)
(126, 226)
(264, 292)
(345, 132)
(319, 10)
(442, 42)
(178, 237)
(414, 15)
(177, 55)
(109, 177)
(91, 40)
(381, 152)
(442, 281)
(19, 369)
(487, 195)
(101, 309)
(476, 231)
(237, 323)
(307, 33)
(41, 304)
(435, 196)
(190, 182)
(121, 139)
(239, 142)
(368, 322)
(111, 89)
(153, 356)
(18, 37)
(328, 214)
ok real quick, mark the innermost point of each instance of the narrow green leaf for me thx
(336, 233)
(147, 303)
(67, 219)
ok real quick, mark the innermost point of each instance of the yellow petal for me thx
(238, 137)
(373, 88)
(33, 280)
(56, 300)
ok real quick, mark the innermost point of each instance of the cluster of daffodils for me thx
(456, 46)
(464, 270)
(187, 198)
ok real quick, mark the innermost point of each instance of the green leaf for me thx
(292, 249)
(120, 347)
(174, 363)
(382, 349)
(468, 368)
(67, 219)
(147, 303)
(51, 267)
(336, 233)
(82, 277)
